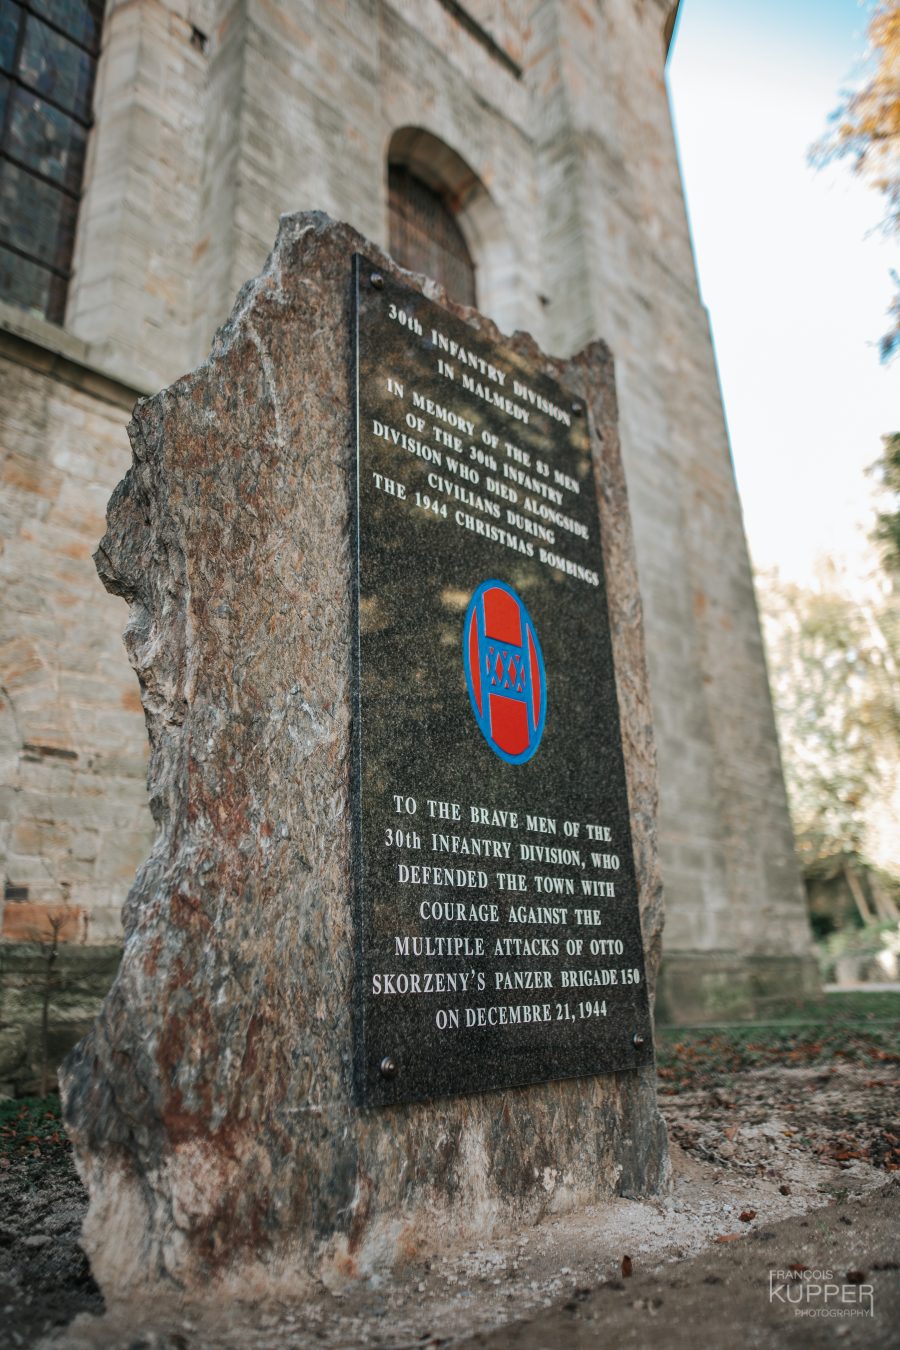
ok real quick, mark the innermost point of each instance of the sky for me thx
(792, 266)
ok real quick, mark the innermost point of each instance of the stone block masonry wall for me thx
(138, 246)
(578, 155)
(73, 802)
(619, 262)
(483, 112)
(213, 117)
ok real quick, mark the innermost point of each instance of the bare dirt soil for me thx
(820, 1281)
(45, 1278)
(785, 1144)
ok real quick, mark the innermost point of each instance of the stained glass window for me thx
(48, 59)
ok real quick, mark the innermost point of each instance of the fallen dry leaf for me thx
(746, 1215)
(729, 1237)
(627, 1266)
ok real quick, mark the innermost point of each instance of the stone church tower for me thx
(521, 151)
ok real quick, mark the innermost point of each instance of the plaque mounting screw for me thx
(377, 280)
(637, 1040)
(388, 1067)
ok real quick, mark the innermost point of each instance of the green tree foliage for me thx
(866, 129)
(834, 664)
(887, 530)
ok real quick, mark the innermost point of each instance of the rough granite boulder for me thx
(211, 1106)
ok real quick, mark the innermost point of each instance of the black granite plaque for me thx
(497, 930)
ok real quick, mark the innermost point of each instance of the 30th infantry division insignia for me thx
(504, 672)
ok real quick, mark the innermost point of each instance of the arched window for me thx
(424, 236)
(443, 221)
(48, 58)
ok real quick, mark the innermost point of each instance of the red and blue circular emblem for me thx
(504, 672)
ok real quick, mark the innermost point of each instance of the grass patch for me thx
(859, 1027)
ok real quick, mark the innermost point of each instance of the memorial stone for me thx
(498, 934)
(384, 985)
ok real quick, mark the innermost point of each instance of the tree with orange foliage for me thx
(867, 130)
